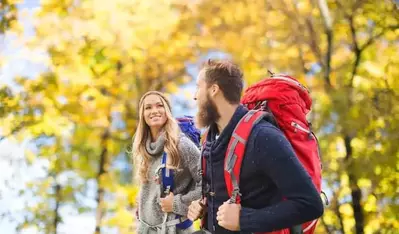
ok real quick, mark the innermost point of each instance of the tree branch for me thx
(323, 7)
(302, 59)
(18, 128)
(326, 227)
(356, 49)
(159, 83)
(373, 38)
(354, 8)
(313, 43)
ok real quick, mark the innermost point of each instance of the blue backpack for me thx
(187, 126)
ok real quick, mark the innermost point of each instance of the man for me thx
(270, 170)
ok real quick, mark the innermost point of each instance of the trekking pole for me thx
(162, 193)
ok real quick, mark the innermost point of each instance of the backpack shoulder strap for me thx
(235, 152)
(167, 176)
(203, 160)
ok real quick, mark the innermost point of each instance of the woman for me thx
(160, 150)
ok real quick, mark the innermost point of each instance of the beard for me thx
(207, 113)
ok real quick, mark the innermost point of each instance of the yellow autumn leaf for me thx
(364, 183)
(30, 156)
(333, 165)
(346, 209)
(172, 87)
(122, 218)
(371, 204)
(374, 69)
(358, 144)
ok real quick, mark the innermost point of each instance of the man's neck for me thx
(226, 113)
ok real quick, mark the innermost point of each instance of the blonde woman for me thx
(167, 162)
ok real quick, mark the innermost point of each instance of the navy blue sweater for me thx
(270, 170)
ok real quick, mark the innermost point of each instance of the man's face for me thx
(207, 110)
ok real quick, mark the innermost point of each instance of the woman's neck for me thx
(155, 132)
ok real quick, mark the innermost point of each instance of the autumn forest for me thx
(78, 115)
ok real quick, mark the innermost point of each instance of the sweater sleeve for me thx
(191, 158)
(277, 160)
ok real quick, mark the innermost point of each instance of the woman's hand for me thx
(167, 203)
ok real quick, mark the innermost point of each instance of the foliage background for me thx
(68, 101)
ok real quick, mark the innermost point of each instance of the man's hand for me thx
(228, 216)
(167, 203)
(196, 209)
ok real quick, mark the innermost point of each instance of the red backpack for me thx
(288, 101)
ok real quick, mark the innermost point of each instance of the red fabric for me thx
(243, 130)
(289, 102)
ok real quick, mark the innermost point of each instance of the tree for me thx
(103, 55)
(8, 14)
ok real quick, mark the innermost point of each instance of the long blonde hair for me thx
(171, 130)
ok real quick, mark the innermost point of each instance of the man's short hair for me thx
(227, 75)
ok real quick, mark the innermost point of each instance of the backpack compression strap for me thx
(202, 172)
(235, 153)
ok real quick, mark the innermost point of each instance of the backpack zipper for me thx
(297, 126)
(290, 80)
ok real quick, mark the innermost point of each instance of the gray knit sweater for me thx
(187, 186)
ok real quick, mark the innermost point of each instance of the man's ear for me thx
(214, 90)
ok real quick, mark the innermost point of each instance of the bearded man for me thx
(276, 191)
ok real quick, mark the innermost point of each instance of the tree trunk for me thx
(326, 227)
(356, 193)
(340, 219)
(102, 170)
(355, 190)
(57, 206)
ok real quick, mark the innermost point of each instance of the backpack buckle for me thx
(167, 190)
(263, 106)
(234, 194)
(200, 172)
(324, 198)
(271, 73)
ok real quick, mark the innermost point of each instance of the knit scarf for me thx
(155, 148)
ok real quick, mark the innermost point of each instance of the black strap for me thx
(296, 229)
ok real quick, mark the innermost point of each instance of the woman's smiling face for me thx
(154, 111)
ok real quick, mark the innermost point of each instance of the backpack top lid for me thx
(282, 88)
(187, 126)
